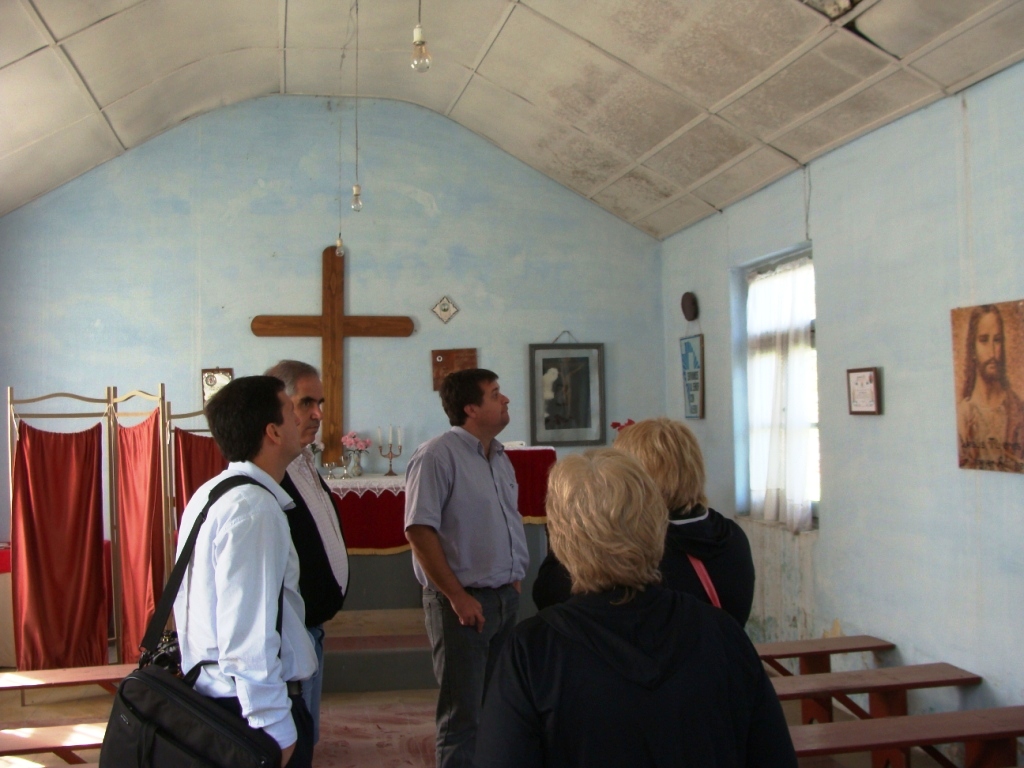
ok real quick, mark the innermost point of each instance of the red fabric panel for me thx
(196, 460)
(140, 522)
(372, 522)
(60, 607)
(532, 467)
(5, 561)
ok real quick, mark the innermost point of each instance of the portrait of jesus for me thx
(988, 364)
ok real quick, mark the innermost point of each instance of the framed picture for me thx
(863, 391)
(691, 349)
(567, 394)
(214, 379)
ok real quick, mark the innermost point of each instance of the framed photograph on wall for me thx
(213, 380)
(691, 349)
(863, 391)
(567, 400)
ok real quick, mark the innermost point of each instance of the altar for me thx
(372, 507)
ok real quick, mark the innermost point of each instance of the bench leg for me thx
(815, 710)
(994, 753)
(888, 704)
(68, 756)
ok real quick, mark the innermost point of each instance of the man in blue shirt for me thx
(469, 551)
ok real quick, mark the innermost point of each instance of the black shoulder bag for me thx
(158, 719)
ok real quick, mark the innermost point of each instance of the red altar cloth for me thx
(5, 560)
(375, 525)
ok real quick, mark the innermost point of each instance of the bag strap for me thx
(163, 609)
(705, 580)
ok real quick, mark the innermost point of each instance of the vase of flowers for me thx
(356, 447)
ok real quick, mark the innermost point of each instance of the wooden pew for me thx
(61, 740)
(107, 676)
(886, 686)
(989, 736)
(815, 657)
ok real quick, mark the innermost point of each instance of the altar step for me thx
(377, 650)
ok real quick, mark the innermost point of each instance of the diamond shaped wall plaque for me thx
(445, 309)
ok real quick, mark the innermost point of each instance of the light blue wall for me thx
(150, 267)
(906, 223)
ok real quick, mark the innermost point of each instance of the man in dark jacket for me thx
(626, 672)
(670, 454)
(315, 528)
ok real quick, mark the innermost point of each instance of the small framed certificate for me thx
(214, 379)
(864, 391)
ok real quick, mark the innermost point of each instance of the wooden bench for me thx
(886, 687)
(107, 676)
(61, 740)
(989, 736)
(815, 656)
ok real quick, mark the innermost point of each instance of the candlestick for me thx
(390, 455)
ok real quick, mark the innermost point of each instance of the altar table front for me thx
(372, 507)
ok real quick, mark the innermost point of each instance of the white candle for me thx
(379, 441)
(399, 437)
(390, 441)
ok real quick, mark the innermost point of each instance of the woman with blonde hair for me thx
(698, 537)
(626, 672)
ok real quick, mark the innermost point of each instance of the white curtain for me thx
(782, 394)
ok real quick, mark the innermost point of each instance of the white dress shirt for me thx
(303, 473)
(227, 608)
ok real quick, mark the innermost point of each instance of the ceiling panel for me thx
(54, 160)
(192, 90)
(999, 40)
(44, 95)
(699, 151)
(675, 216)
(153, 39)
(705, 49)
(64, 18)
(835, 65)
(537, 138)
(881, 103)
(746, 177)
(637, 192)
(903, 26)
(597, 94)
(19, 35)
(316, 73)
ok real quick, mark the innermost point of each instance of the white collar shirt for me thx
(303, 473)
(227, 608)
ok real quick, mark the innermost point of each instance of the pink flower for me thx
(353, 442)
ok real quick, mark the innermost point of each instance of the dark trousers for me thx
(463, 662)
(302, 757)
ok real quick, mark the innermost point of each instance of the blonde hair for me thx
(606, 521)
(670, 454)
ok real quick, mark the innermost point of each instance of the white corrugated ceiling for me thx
(660, 111)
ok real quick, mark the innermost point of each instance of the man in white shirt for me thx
(315, 528)
(240, 606)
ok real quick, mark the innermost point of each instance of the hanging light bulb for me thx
(339, 249)
(421, 57)
(357, 198)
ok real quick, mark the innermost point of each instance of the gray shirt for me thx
(472, 503)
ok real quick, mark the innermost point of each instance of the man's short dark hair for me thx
(290, 371)
(462, 388)
(239, 413)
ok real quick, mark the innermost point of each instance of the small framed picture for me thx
(864, 392)
(567, 394)
(214, 380)
(691, 350)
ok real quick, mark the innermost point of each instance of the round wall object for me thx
(689, 305)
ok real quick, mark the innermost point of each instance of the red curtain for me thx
(140, 522)
(196, 460)
(60, 606)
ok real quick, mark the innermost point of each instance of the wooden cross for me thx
(333, 326)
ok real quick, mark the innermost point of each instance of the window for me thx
(782, 393)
